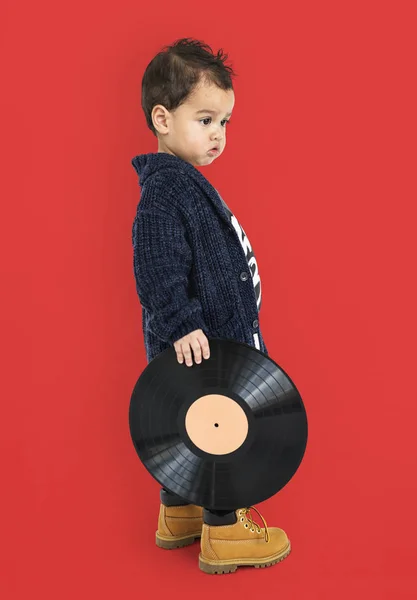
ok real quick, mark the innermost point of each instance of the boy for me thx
(195, 271)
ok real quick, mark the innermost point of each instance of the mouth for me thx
(215, 149)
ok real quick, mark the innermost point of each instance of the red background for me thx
(320, 170)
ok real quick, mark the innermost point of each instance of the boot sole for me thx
(213, 567)
(168, 543)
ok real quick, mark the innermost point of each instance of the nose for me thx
(218, 138)
(218, 135)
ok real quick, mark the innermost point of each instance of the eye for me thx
(209, 119)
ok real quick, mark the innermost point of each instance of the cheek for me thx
(194, 133)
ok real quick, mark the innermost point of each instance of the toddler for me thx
(195, 271)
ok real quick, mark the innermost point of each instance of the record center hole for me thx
(216, 424)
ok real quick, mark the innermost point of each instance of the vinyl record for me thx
(229, 432)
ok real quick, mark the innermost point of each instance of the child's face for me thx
(190, 134)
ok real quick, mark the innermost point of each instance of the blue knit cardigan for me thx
(190, 269)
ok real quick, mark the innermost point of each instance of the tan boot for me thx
(178, 526)
(224, 548)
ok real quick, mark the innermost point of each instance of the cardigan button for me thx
(244, 276)
(255, 323)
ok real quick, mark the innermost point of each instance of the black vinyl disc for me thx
(227, 433)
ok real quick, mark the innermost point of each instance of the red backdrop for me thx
(320, 169)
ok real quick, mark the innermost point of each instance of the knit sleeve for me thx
(162, 264)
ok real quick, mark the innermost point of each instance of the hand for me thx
(196, 340)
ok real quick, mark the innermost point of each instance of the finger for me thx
(178, 352)
(197, 350)
(187, 354)
(204, 344)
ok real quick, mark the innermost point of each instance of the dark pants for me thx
(210, 517)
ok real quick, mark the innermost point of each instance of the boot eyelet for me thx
(239, 513)
(242, 519)
(252, 530)
(246, 525)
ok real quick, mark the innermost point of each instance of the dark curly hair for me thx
(174, 72)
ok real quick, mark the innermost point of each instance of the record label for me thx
(216, 424)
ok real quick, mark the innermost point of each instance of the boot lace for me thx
(246, 512)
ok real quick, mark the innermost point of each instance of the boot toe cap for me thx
(278, 538)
